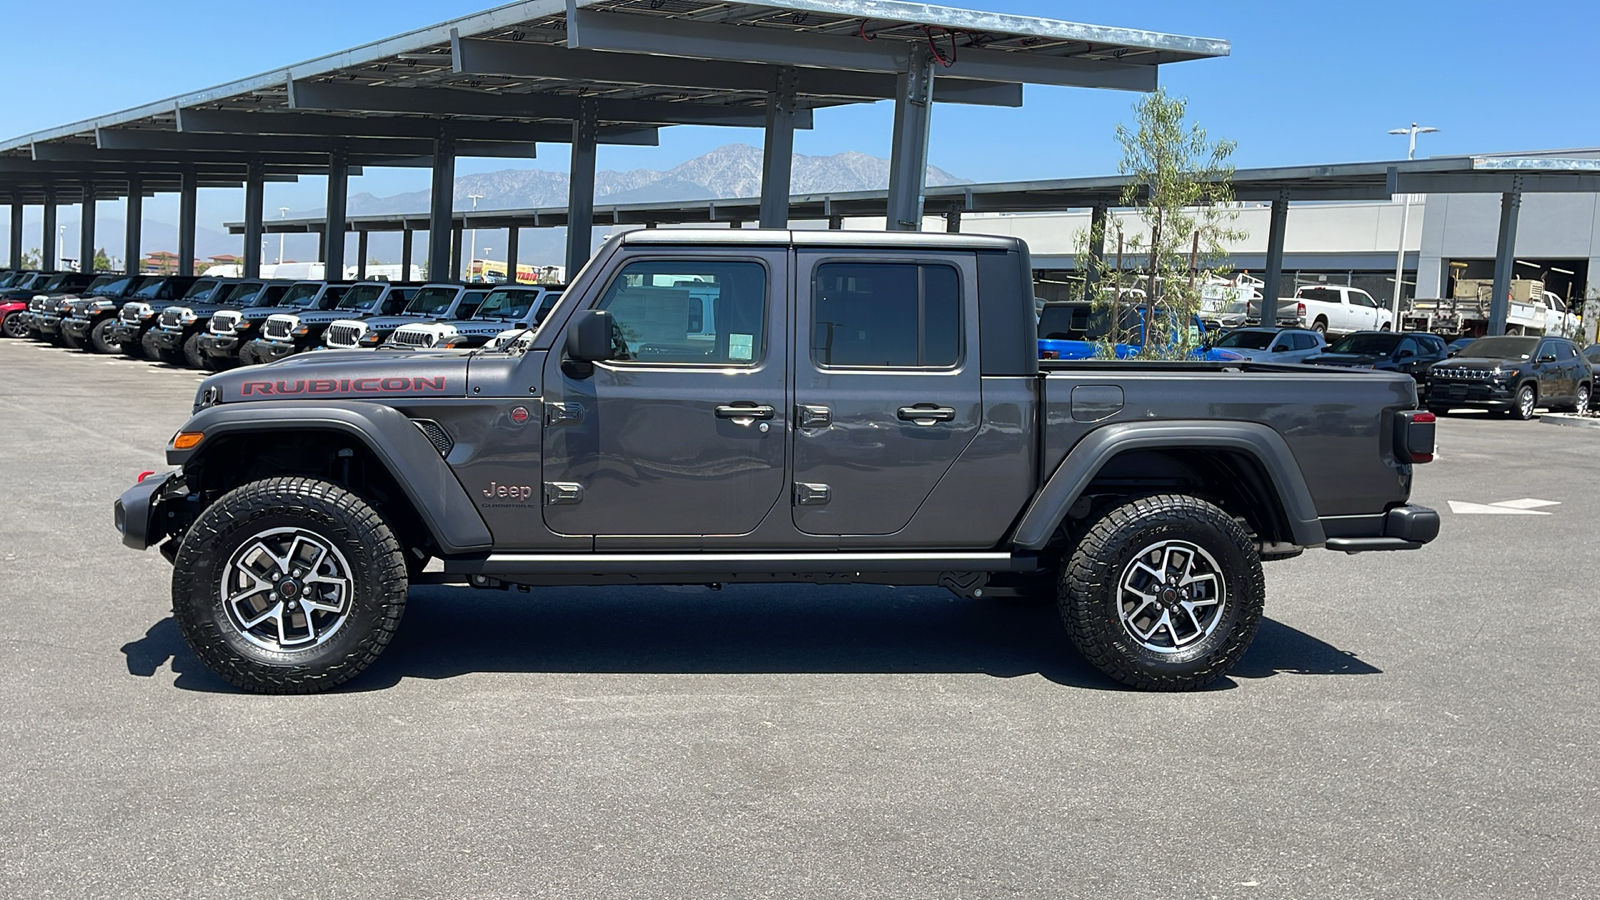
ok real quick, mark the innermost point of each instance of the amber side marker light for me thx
(186, 440)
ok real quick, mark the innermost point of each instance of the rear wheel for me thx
(149, 347)
(67, 340)
(1580, 405)
(1320, 326)
(13, 326)
(288, 586)
(1527, 400)
(97, 338)
(1163, 593)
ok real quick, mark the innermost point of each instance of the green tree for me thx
(102, 262)
(31, 259)
(1180, 192)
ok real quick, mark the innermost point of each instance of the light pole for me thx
(1405, 221)
(484, 272)
(283, 212)
(61, 245)
(474, 251)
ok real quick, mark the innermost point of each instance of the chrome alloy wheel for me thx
(1171, 596)
(1582, 406)
(287, 589)
(1526, 401)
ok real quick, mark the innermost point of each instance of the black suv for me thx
(1410, 352)
(1513, 374)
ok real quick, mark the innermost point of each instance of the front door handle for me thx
(752, 411)
(927, 414)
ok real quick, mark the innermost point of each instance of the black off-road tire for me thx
(1091, 592)
(69, 341)
(374, 604)
(97, 338)
(148, 348)
(190, 355)
(247, 355)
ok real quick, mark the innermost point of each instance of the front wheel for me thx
(288, 586)
(98, 342)
(191, 355)
(13, 326)
(1163, 593)
(1527, 399)
(1580, 404)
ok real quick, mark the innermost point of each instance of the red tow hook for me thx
(144, 475)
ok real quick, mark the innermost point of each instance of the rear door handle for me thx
(927, 414)
(745, 412)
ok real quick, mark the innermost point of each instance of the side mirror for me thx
(1547, 357)
(589, 338)
(1404, 354)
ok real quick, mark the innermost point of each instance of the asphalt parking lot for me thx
(1406, 725)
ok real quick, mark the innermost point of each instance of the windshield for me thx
(360, 296)
(1507, 347)
(271, 295)
(151, 290)
(200, 290)
(101, 282)
(240, 294)
(432, 301)
(300, 295)
(1248, 340)
(11, 279)
(35, 282)
(506, 304)
(56, 281)
(113, 288)
(1376, 344)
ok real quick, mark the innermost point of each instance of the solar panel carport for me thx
(582, 72)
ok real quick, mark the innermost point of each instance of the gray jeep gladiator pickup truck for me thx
(722, 406)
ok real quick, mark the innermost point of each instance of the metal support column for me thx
(86, 227)
(513, 242)
(908, 161)
(322, 254)
(1505, 257)
(361, 254)
(952, 220)
(407, 240)
(254, 201)
(580, 188)
(338, 198)
(48, 249)
(1272, 289)
(188, 198)
(441, 207)
(133, 228)
(1099, 217)
(16, 232)
(457, 244)
(777, 164)
(835, 223)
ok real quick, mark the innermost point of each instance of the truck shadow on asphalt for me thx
(744, 629)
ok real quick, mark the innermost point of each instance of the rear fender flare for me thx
(449, 514)
(1085, 461)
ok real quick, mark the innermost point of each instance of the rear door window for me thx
(886, 315)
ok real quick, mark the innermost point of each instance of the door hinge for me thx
(562, 493)
(811, 494)
(562, 413)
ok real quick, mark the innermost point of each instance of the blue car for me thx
(1074, 330)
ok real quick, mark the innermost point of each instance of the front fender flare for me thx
(441, 501)
(1085, 461)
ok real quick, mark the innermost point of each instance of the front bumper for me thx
(138, 513)
(219, 345)
(169, 338)
(120, 332)
(1406, 527)
(47, 324)
(1472, 395)
(272, 351)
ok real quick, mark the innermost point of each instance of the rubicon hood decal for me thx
(344, 374)
(283, 387)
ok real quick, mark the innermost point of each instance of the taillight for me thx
(1414, 436)
(1300, 309)
(1049, 354)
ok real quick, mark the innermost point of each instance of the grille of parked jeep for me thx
(436, 435)
(343, 335)
(417, 340)
(224, 321)
(276, 328)
(172, 316)
(132, 311)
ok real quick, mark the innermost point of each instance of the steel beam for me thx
(86, 228)
(513, 245)
(1272, 288)
(407, 242)
(16, 232)
(474, 56)
(458, 244)
(448, 102)
(1502, 182)
(254, 201)
(580, 189)
(47, 249)
(192, 121)
(338, 200)
(187, 199)
(224, 147)
(1505, 256)
(133, 228)
(361, 254)
(440, 206)
(908, 160)
(1099, 219)
(597, 30)
(777, 164)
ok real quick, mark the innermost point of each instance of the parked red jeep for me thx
(14, 318)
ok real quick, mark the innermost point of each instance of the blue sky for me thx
(1307, 83)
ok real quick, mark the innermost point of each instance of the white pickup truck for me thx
(1330, 309)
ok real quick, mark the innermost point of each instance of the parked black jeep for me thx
(504, 309)
(87, 320)
(1513, 375)
(286, 334)
(182, 325)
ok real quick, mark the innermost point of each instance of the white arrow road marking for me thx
(1524, 507)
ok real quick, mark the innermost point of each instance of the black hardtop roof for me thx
(835, 239)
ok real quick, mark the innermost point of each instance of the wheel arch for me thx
(1246, 467)
(390, 454)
